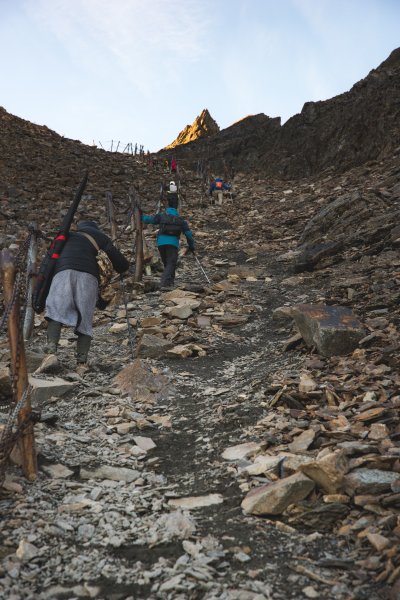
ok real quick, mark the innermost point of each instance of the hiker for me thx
(173, 165)
(171, 191)
(74, 290)
(217, 188)
(171, 227)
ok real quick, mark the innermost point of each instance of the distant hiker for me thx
(171, 227)
(173, 165)
(74, 290)
(217, 189)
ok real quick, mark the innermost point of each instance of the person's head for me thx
(172, 203)
(85, 224)
(218, 179)
(172, 183)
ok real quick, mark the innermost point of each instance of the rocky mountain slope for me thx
(231, 460)
(202, 127)
(343, 132)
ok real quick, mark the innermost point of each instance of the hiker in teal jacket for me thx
(171, 228)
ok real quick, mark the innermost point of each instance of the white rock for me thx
(26, 551)
(241, 451)
(191, 502)
(57, 471)
(113, 473)
(145, 443)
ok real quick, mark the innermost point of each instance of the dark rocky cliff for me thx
(346, 131)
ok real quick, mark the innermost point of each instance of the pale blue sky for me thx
(140, 70)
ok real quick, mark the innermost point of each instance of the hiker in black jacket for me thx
(171, 227)
(74, 290)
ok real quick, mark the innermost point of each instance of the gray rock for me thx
(113, 473)
(43, 389)
(151, 346)
(334, 330)
(368, 481)
(57, 471)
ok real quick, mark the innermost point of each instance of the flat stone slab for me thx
(369, 481)
(57, 471)
(109, 472)
(43, 389)
(241, 451)
(334, 330)
(191, 502)
(274, 498)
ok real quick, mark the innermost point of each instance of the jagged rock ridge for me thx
(203, 126)
(340, 133)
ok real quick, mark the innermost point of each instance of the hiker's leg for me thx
(53, 336)
(171, 256)
(82, 348)
(164, 258)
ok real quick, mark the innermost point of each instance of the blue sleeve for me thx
(151, 220)
(226, 186)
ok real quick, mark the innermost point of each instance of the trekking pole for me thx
(130, 329)
(202, 270)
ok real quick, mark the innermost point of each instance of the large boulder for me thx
(334, 330)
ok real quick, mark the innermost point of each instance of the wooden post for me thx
(137, 216)
(18, 368)
(111, 216)
(31, 273)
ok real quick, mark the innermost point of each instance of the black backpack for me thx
(171, 225)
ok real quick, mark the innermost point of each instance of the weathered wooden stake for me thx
(137, 217)
(31, 273)
(111, 216)
(18, 368)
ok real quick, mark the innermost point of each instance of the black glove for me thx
(102, 304)
(191, 250)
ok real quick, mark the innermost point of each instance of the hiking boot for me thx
(53, 336)
(82, 348)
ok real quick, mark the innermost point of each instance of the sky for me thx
(139, 71)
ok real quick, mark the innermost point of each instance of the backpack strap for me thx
(91, 239)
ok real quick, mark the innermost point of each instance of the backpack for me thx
(171, 225)
(172, 195)
(105, 273)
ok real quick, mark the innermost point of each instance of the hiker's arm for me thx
(189, 235)
(116, 257)
(151, 219)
